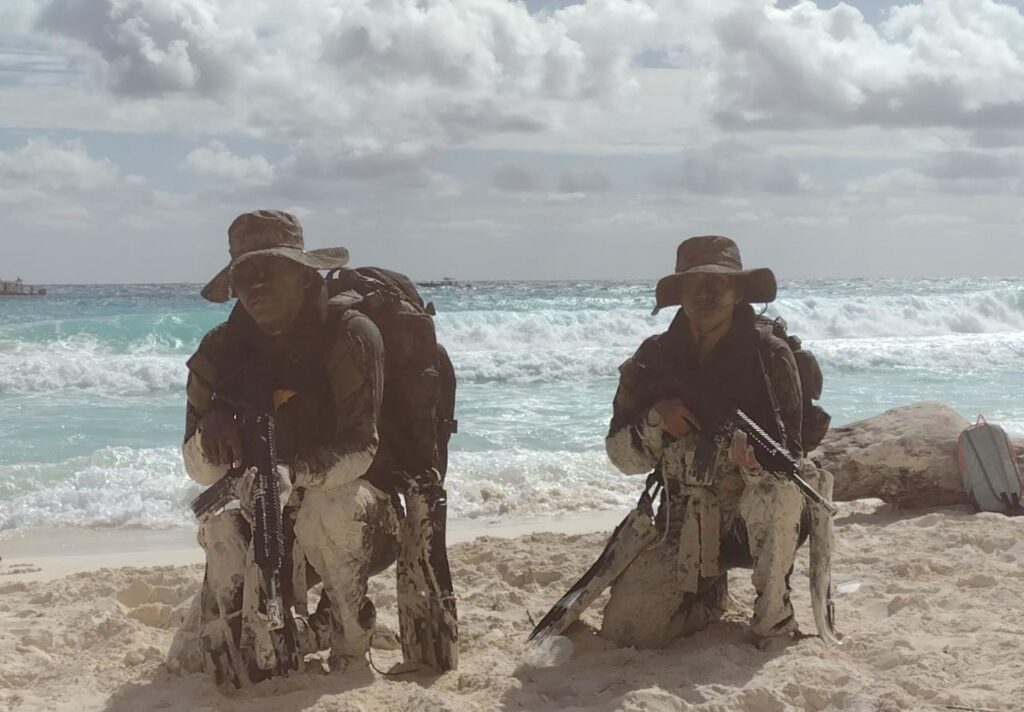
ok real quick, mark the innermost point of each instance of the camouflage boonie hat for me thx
(714, 254)
(269, 232)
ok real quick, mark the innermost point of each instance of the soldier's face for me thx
(709, 299)
(271, 289)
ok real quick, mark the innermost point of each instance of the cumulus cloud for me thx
(449, 68)
(59, 185)
(453, 70)
(217, 161)
(152, 48)
(934, 63)
(44, 165)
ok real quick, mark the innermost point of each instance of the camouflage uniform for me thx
(678, 585)
(327, 381)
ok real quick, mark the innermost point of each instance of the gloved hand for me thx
(244, 488)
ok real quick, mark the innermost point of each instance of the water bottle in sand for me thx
(550, 652)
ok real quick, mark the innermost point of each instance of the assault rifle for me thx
(276, 648)
(640, 528)
(772, 456)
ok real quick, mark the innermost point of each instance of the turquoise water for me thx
(92, 377)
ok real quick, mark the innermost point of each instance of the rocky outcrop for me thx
(905, 456)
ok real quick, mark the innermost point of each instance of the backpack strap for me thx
(772, 397)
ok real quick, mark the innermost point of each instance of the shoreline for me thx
(48, 553)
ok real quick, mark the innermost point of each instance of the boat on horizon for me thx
(18, 288)
(443, 282)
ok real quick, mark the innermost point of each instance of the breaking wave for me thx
(565, 338)
(87, 364)
(985, 311)
(112, 487)
(148, 488)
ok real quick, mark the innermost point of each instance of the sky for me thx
(488, 139)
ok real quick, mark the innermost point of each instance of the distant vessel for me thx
(17, 288)
(445, 282)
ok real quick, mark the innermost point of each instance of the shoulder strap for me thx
(772, 397)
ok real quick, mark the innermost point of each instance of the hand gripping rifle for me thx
(772, 456)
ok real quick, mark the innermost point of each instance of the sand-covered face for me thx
(709, 299)
(272, 290)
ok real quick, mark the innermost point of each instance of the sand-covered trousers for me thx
(346, 534)
(652, 603)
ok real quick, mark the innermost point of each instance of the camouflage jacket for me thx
(324, 380)
(667, 366)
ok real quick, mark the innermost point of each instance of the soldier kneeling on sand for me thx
(308, 372)
(720, 509)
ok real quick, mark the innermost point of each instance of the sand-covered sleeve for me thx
(355, 369)
(635, 438)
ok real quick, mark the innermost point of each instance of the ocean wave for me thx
(829, 315)
(112, 487)
(960, 354)
(142, 374)
(84, 364)
(546, 329)
(148, 488)
(974, 330)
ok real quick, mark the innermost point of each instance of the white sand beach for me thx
(929, 604)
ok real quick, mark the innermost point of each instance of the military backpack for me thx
(418, 413)
(816, 419)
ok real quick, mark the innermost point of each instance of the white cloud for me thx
(59, 185)
(446, 70)
(380, 107)
(933, 63)
(46, 165)
(145, 48)
(216, 160)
